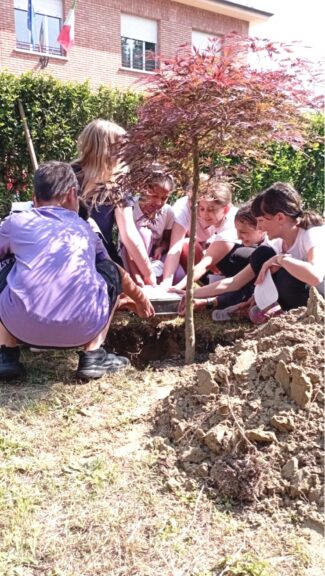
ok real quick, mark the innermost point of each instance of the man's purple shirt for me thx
(54, 295)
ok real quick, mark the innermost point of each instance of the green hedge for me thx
(57, 112)
(303, 169)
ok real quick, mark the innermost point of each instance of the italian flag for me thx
(66, 36)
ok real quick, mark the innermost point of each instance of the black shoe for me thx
(96, 363)
(10, 367)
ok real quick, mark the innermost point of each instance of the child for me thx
(215, 214)
(218, 294)
(215, 210)
(61, 291)
(97, 169)
(154, 220)
(292, 253)
(298, 261)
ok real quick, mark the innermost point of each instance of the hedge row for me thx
(303, 169)
(57, 112)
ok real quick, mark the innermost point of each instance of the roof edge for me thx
(229, 8)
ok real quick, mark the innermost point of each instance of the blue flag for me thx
(31, 21)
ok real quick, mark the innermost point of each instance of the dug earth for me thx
(248, 423)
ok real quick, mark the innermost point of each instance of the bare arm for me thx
(226, 284)
(134, 297)
(174, 253)
(216, 252)
(133, 242)
(310, 272)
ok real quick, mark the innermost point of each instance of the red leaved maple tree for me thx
(219, 102)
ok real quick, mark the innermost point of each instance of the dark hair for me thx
(157, 174)
(53, 180)
(244, 214)
(282, 197)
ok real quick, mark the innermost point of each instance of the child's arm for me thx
(174, 253)
(216, 252)
(202, 296)
(310, 272)
(133, 243)
(142, 304)
(226, 284)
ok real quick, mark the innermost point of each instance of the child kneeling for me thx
(62, 289)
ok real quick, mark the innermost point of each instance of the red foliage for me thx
(224, 103)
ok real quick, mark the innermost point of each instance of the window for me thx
(138, 43)
(47, 25)
(201, 40)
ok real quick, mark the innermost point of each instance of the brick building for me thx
(113, 38)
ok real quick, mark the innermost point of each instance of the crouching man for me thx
(60, 289)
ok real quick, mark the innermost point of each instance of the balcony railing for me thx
(46, 50)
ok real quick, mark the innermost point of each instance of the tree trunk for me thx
(189, 317)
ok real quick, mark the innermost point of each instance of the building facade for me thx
(116, 42)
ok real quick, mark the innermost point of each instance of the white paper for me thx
(266, 294)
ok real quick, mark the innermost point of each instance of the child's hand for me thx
(272, 265)
(198, 304)
(150, 280)
(139, 280)
(144, 308)
(176, 290)
(166, 284)
(141, 306)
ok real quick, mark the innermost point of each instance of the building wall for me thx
(96, 55)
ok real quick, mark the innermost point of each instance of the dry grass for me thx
(80, 494)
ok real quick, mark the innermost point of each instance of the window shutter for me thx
(201, 40)
(139, 28)
(47, 7)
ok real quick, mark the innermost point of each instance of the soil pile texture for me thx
(248, 423)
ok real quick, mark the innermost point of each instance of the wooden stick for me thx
(28, 136)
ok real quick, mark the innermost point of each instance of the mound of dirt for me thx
(249, 422)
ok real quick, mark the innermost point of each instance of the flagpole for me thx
(28, 137)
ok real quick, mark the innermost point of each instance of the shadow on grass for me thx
(44, 370)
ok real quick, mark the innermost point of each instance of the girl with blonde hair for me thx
(97, 168)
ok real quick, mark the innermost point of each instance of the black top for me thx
(104, 216)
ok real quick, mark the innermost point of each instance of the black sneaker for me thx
(10, 367)
(96, 363)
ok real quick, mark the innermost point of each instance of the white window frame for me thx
(46, 9)
(138, 29)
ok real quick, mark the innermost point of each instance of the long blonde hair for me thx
(98, 148)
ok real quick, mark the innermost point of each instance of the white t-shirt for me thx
(305, 240)
(226, 231)
(164, 220)
(276, 244)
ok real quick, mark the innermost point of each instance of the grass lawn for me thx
(81, 493)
